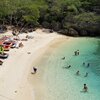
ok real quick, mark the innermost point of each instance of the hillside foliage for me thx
(80, 16)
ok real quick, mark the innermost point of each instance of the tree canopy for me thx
(54, 14)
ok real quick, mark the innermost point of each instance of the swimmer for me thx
(85, 89)
(83, 63)
(75, 53)
(63, 58)
(68, 66)
(78, 52)
(88, 64)
(77, 73)
(86, 74)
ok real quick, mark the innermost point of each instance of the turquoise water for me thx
(64, 84)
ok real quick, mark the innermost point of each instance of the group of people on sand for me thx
(16, 32)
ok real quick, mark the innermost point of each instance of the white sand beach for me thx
(14, 72)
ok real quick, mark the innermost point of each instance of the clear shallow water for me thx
(64, 84)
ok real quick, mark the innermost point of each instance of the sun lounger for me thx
(4, 55)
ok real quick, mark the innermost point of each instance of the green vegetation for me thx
(64, 16)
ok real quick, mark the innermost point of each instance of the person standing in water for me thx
(75, 53)
(88, 65)
(86, 74)
(68, 66)
(78, 52)
(85, 89)
(77, 73)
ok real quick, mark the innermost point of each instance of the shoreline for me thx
(16, 80)
(36, 80)
(15, 70)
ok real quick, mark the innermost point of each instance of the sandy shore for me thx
(16, 70)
